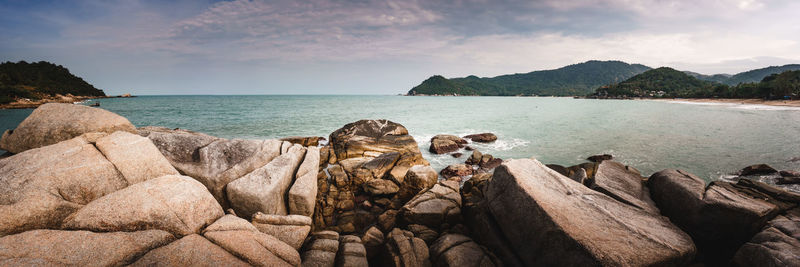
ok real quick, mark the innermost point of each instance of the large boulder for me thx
(191, 250)
(55, 122)
(722, 216)
(445, 143)
(375, 168)
(436, 206)
(173, 203)
(403, 249)
(320, 250)
(40, 187)
(616, 180)
(215, 162)
(240, 238)
(78, 248)
(371, 138)
(304, 190)
(459, 250)
(550, 219)
(351, 252)
(134, 156)
(291, 229)
(418, 178)
(778, 244)
(264, 190)
(380, 187)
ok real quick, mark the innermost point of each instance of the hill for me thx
(40, 80)
(750, 76)
(718, 78)
(660, 82)
(577, 79)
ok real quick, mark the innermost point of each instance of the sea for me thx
(709, 140)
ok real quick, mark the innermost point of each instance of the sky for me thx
(382, 47)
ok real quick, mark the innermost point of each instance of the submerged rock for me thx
(55, 122)
(574, 225)
(600, 158)
(757, 169)
(444, 143)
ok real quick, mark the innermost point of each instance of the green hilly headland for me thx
(40, 80)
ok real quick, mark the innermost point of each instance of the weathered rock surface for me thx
(351, 252)
(418, 178)
(423, 232)
(291, 229)
(240, 238)
(436, 206)
(778, 244)
(304, 140)
(78, 248)
(215, 162)
(459, 170)
(303, 192)
(445, 143)
(173, 203)
(720, 217)
(460, 250)
(482, 137)
(403, 249)
(191, 250)
(134, 156)
(615, 180)
(375, 168)
(371, 138)
(321, 249)
(380, 187)
(40, 187)
(264, 190)
(55, 122)
(373, 240)
(757, 169)
(574, 225)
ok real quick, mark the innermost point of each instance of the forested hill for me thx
(660, 82)
(750, 76)
(40, 80)
(577, 79)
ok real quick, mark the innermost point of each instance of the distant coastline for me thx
(24, 103)
(731, 101)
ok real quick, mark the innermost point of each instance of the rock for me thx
(303, 192)
(191, 250)
(321, 249)
(375, 168)
(423, 232)
(444, 143)
(371, 138)
(600, 158)
(788, 180)
(403, 249)
(778, 244)
(388, 220)
(456, 155)
(406, 161)
(78, 248)
(574, 225)
(418, 178)
(249, 244)
(456, 170)
(55, 122)
(757, 170)
(580, 176)
(291, 229)
(381, 187)
(42, 186)
(215, 162)
(475, 158)
(324, 156)
(436, 206)
(790, 174)
(373, 240)
(560, 169)
(134, 156)
(613, 179)
(490, 163)
(350, 165)
(460, 250)
(351, 252)
(482, 137)
(173, 203)
(720, 217)
(304, 140)
(468, 148)
(264, 190)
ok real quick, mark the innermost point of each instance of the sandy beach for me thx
(780, 103)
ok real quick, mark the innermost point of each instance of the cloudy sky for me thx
(382, 47)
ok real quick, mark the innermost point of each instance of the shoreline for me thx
(728, 101)
(25, 104)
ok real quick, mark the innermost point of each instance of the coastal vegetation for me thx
(40, 80)
(670, 83)
(577, 79)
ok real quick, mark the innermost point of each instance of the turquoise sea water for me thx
(708, 140)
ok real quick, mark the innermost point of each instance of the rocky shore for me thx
(69, 98)
(85, 187)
